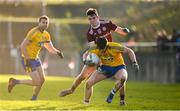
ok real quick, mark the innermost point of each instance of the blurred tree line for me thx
(142, 17)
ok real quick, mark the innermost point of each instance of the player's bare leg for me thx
(122, 94)
(85, 73)
(94, 78)
(11, 84)
(34, 82)
(121, 76)
(42, 79)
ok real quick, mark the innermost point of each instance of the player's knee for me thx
(122, 81)
(36, 82)
(88, 84)
(42, 80)
(124, 77)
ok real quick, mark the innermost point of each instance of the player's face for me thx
(93, 20)
(43, 24)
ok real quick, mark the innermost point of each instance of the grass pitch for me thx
(140, 96)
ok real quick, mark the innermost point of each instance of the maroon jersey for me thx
(104, 30)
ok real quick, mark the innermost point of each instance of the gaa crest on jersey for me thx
(91, 32)
(104, 28)
(107, 58)
(99, 31)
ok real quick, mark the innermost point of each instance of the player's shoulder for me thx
(89, 31)
(46, 34)
(104, 21)
(114, 45)
(33, 30)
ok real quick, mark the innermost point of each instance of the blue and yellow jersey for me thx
(37, 40)
(112, 56)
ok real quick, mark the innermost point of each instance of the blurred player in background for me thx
(112, 64)
(36, 38)
(97, 28)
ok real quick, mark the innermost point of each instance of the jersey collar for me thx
(96, 26)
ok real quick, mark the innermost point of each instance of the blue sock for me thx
(110, 96)
(34, 97)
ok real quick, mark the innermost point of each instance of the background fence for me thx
(68, 26)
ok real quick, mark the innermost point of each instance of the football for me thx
(92, 59)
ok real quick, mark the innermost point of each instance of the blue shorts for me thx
(109, 71)
(33, 64)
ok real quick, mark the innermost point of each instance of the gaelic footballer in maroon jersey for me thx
(103, 30)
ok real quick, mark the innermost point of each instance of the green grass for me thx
(140, 96)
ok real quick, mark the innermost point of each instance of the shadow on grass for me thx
(77, 108)
(39, 107)
(48, 93)
(46, 107)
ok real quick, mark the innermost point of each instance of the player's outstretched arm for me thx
(132, 56)
(122, 31)
(49, 46)
(131, 53)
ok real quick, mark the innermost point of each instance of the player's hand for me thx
(84, 56)
(126, 30)
(60, 54)
(135, 66)
(89, 63)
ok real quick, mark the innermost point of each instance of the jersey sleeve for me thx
(48, 37)
(112, 26)
(117, 47)
(121, 48)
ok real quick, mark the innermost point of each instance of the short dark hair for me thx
(43, 17)
(91, 12)
(101, 42)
